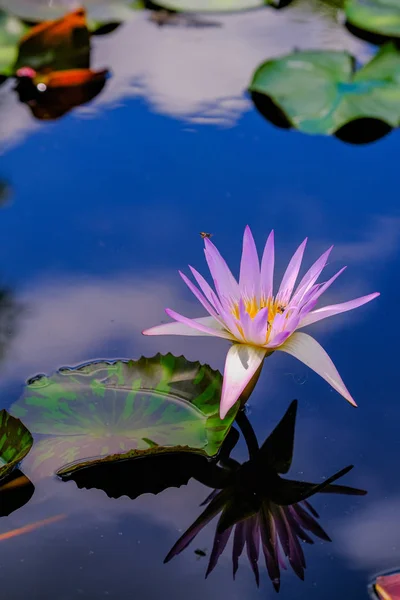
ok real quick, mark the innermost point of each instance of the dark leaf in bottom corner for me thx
(15, 492)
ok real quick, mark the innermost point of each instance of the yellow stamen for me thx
(254, 305)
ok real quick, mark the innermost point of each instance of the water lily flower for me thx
(258, 320)
(388, 587)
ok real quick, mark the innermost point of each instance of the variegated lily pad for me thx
(15, 443)
(102, 409)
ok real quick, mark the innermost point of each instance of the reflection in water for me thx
(9, 313)
(50, 96)
(217, 64)
(261, 509)
(15, 491)
(52, 69)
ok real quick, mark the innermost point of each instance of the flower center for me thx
(254, 305)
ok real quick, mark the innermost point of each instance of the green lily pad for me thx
(15, 443)
(36, 11)
(378, 17)
(11, 31)
(320, 92)
(217, 6)
(103, 409)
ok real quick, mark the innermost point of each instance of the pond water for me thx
(100, 209)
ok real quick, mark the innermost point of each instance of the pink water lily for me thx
(257, 321)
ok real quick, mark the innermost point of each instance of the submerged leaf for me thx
(319, 92)
(15, 443)
(104, 409)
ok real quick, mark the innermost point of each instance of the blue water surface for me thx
(106, 205)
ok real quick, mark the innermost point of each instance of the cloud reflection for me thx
(194, 74)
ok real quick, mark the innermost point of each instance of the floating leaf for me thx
(319, 92)
(15, 443)
(376, 17)
(216, 5)
(51, 95)
(98, 10)
(11, 31)
(15, 491)
(60, 44)
(103, 408)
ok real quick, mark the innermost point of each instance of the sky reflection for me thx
(107, 205)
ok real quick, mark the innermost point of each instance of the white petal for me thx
(175, 328)
(306, 349)
(242, 361)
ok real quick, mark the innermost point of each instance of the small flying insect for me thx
(281, 309)
(204, 235)
(200, 553)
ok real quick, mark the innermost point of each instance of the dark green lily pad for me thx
(104, 409)
(11, 31)
(320, 92)
(376, 17)
(15, 443)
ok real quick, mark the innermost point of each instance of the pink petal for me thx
(334, 309)
(225, 283)
(216, 328)
(312, 275)
(310, 352)
(245, 321)
(199, 296)
(267, 268)
(197, 327)
(242, 361)
(205, 288)
(290, 276)
(319, 290)
(258, 329)
(249, 281)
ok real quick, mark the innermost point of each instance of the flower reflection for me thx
(250, 313)
(263, 511)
